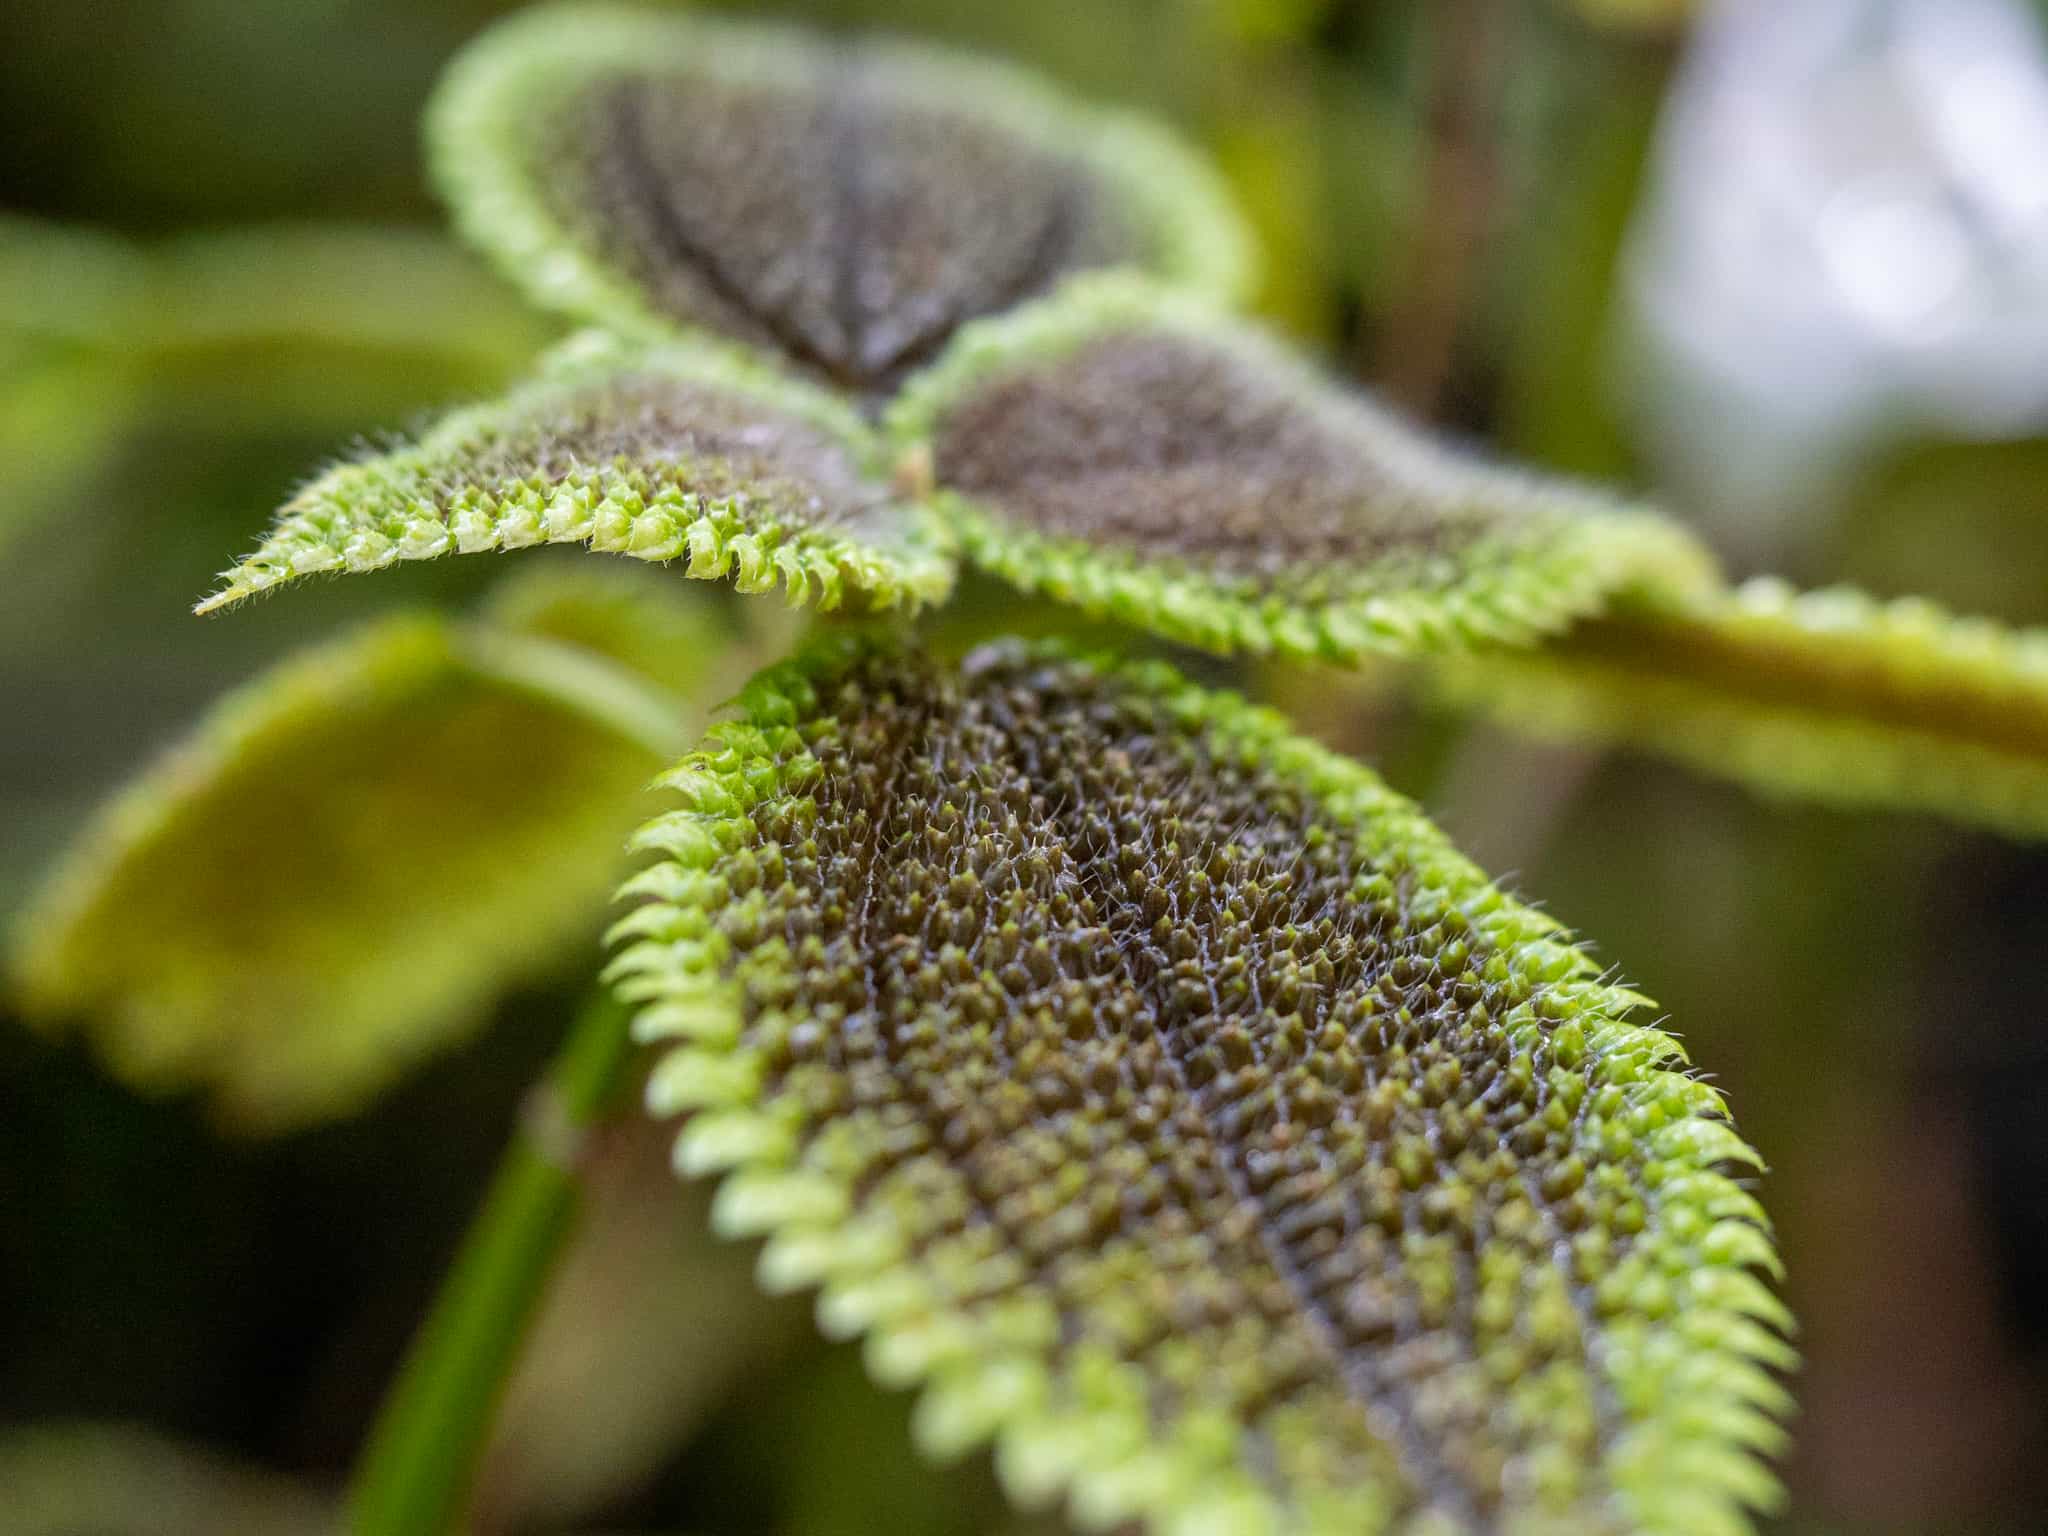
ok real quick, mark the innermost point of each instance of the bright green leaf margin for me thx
(1830, 696)
(1554, 551)
(451, 491)
(514, 77)
(1686, 1348)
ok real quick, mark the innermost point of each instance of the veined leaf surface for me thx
(1123, 449)
(840, 205)
(1170, 1099)
(1830, 696)
(352, 856)
(663, 454)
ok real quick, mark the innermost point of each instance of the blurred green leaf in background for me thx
(219, 271)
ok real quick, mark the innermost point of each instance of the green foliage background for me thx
(1865, 988)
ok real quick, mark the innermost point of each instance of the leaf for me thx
(315, 325)
(1127, 451)
(66, 296)
(661, 454)
(63, 287)
(1829, 696)
(1170, 1099)
(60, 418)
(350, 857)
(639, 619)
(842, 206)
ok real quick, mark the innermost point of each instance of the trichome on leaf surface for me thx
(1156, 1089)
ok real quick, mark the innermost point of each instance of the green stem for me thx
(416, 1470)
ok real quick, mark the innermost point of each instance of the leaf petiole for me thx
(582, 684)
(415, 1472)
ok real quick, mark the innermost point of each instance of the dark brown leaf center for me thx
(835, 221)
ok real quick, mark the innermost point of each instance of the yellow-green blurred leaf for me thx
(314, 324)
(349, 858)
(303, 325)
(1829, 696)
(65, 287)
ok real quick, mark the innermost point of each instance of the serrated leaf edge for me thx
(1522, 589)
(1794, 749)
(609, 510)
(525, 64)
(1703, 1395)
(1526, 594)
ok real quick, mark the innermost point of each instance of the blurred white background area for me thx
(1845, 242)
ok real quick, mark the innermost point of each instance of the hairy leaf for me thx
(1124, 450)
(353, 855)
(843, 206)
(1168, 1097)
(662, 454)
(1830, 696)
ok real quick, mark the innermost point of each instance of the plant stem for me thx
(417, 1467)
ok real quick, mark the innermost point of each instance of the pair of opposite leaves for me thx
(786, 240)
(1158, 1088)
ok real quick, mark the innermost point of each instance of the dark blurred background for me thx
(1785, 266)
